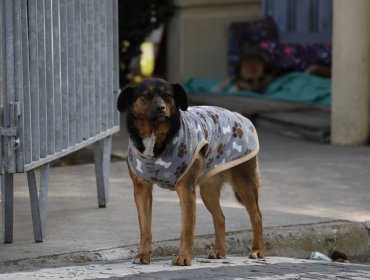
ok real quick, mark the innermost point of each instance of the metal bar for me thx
(34, 78)
(57, 114)
(18, 79)
(9, 70)
(103, 65)
(279, 12)
(43, 195)
(8, 194)
(314, 17)
(49, 93)
(97, 59)
(2, 186)
(78, 69)
(325, 18)
(291, 13)
(35, 206)
(84, 65)
(9, 93)
(42, 77)
(110, 54)
(71, 149)
(71, 73)
(302, 18)
(26, 137)
(64, 72)
(116, 85)
(102, 154)
(2, 66)
(2, 84)
(91, 70)
(38, 201)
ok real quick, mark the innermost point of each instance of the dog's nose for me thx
(160, 108)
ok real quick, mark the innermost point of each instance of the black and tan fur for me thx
(153, 120)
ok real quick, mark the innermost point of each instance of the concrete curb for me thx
(298, 241)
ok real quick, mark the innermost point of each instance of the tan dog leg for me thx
(245, 181)
(143, 199)
(186, 191)
(186, 195)
(210, 193)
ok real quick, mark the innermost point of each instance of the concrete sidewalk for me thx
(272, 268)
(304, 186)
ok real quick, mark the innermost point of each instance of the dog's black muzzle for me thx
(159, 110)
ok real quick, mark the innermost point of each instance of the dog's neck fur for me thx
(149, 144)
(152, 138)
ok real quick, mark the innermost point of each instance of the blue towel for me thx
(293, 87)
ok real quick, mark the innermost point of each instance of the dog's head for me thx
(153, 99)
(254, 71)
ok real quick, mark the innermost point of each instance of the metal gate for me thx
(58, 90)
(301, 21)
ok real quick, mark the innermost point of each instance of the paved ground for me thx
(231, 268)
(303, 183)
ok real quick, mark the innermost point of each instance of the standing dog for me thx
(177, 147)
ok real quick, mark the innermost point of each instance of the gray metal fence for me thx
(58, 87)
(301, 21)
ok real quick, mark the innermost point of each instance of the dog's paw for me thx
(217, 254)
(256, 253)
(141, 259)
(181, 260)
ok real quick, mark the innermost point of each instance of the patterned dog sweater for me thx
(228, 138)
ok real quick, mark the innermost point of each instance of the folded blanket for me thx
(293, 87)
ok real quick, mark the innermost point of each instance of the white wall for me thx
(197, 38)
(350, 118)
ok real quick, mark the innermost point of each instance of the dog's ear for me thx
(125, 98)
(181, 97)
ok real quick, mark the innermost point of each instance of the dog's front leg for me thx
(186, 195)
(143, 200)
(186, 191)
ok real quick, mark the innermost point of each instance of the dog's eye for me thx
(146, 95)
(166, 94)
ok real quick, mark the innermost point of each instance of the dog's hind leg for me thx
(245, 181)
(210, 193)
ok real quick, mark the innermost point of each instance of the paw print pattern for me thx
(220, 150)
(206, 134)
(182, 151)
(160, 182)
(209, 162)
(214, 117)
(201, 115)
(163, 183)
(237, 130)
(181, 169)
(167, 175)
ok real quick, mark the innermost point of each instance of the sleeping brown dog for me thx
(254, 71)
(177, 148)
